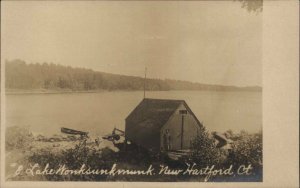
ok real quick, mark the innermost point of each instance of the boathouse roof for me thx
(155, 113)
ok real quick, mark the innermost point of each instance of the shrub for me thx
(74, 158)
(17, 138)
(204, 149)
(247, 149)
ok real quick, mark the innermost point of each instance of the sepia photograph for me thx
(132, 91)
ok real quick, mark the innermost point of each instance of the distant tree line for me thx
(20, 75)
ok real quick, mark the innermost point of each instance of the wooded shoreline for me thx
(53, 78)
(60, 91)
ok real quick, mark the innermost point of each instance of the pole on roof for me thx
(145, 82)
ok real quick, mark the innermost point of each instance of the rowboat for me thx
(72, 131)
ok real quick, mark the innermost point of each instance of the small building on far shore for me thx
(162, 125)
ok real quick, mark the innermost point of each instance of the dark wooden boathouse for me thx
(162, 125)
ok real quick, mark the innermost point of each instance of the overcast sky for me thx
(215, 42)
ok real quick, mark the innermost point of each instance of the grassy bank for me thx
(23, 148)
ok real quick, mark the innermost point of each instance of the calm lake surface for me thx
(100, 112)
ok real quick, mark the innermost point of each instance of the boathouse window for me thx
(183, 112)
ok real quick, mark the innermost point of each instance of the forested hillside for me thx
(20, 75)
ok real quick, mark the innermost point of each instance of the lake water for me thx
(100, 112)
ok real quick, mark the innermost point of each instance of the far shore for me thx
(59, 91)
(69, 91)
